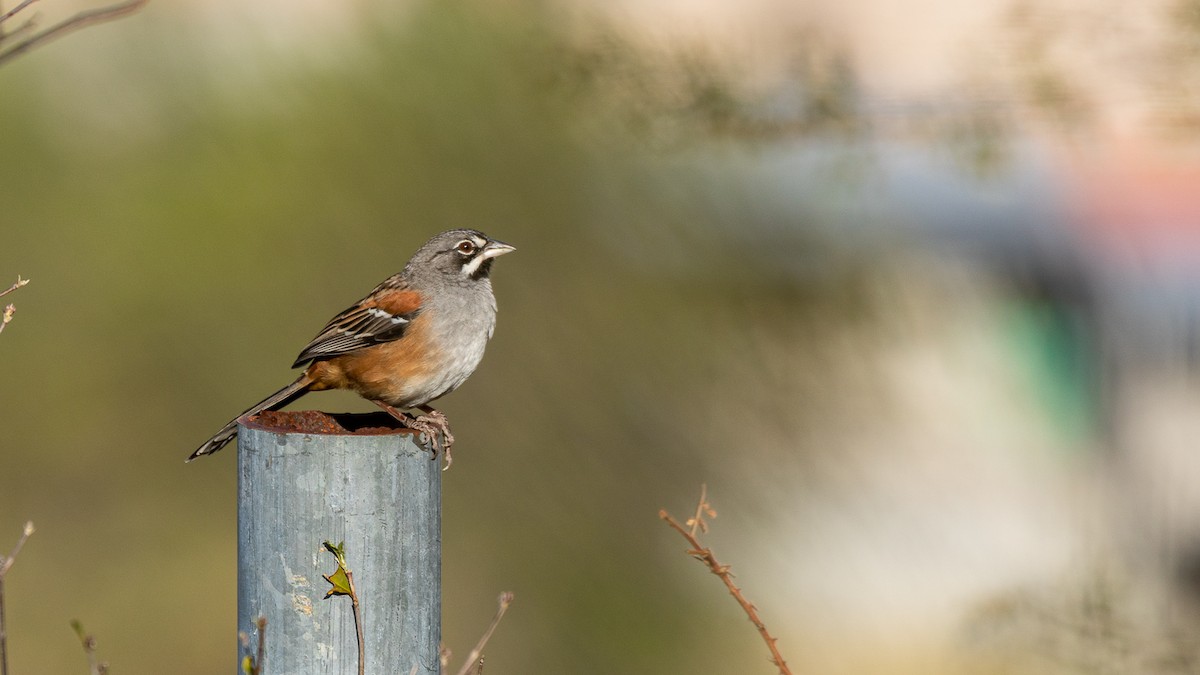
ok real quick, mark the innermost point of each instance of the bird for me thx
(413, 339)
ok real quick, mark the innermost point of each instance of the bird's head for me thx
(460, 254)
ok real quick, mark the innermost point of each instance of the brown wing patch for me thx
(381, 317)
(397, 303)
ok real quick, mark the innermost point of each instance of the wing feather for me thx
(382, 316)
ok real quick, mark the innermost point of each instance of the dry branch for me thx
(475, 658)
(74, 23)
(95, 665)
(16, 10)
(19, 283)
(5, 565)
(6, 314)
(705, 555)
(252, 662)
(342, 583)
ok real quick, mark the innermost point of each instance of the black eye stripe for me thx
(476, 250)
(464, 258)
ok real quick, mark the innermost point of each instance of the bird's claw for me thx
(432, 425)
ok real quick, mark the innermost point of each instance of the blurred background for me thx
(915, 290)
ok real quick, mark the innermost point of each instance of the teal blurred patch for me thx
(1056, 348)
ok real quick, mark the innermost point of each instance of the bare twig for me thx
(705, 555)
(475, 658)
(252, 664)
(5, 565)
(19, 30)
(13, 12)
(80, 20)
(358, 627)
(260, 657)
(702, 509)
(19, 283)
(342, 582)
(7, 314)
(95, 666)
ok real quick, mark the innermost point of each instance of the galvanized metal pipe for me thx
(381, 495)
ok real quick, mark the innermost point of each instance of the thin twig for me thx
(3, 634)
(252, 664)
(358, 627)
(347, 588)
(5, 565)
(95, 666)
(705, 555)
(13, 12)
(23, 28)
(19, 283)
(702, 508)
(80, 20)
(6, 314)
(8, 562)
(261, 657)
(475, 657)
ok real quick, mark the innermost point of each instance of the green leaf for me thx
(338, 551)
(338, 580)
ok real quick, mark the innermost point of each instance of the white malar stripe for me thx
(470, 268)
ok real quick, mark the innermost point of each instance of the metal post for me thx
(381, 495)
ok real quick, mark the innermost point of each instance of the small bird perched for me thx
(415, 338)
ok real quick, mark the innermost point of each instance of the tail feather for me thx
(273, 402)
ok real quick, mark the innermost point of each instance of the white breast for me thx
(463, 322)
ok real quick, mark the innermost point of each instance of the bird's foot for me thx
(433, 424)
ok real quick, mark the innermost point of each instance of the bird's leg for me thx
(414, 423)
(435, 420)
(433, 423)
(401, 416)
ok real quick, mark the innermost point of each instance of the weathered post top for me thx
(305, 478)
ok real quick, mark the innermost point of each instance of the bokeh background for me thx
(914, 288)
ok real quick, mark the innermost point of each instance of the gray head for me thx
(458, 255)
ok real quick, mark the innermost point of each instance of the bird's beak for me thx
(495, 249)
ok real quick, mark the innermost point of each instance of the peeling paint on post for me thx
(378, 493)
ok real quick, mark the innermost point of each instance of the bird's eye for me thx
(466, 247)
